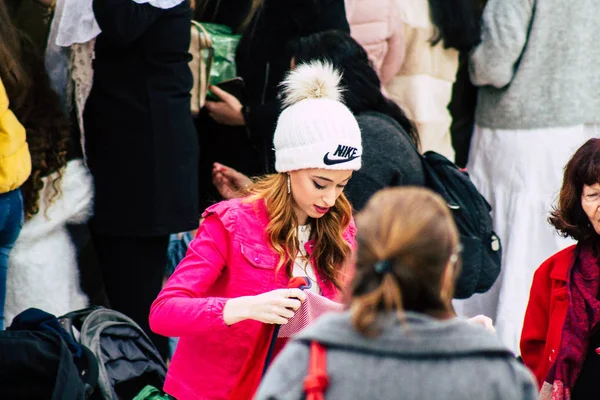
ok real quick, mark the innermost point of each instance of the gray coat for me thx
(537, 64)
(424, 359)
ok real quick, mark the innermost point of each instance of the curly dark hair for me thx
(37, 107)
(568, 216)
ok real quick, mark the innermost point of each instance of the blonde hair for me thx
(412, 229)
(331, 249)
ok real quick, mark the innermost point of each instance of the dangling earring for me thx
(289, 184)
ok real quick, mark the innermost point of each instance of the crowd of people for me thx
(103, 168)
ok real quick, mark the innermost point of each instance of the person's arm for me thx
(230, 183)
(537, 319)
(182, 307)
(285, 378)
(124, 21)
(505, 30)
(396, 49)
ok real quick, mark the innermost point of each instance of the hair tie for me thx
(383, 267)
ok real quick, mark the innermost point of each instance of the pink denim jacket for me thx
(230, 257)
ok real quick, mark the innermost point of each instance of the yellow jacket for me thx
(15, 161)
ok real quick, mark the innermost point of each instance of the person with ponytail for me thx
(400, 338)
(296, 222)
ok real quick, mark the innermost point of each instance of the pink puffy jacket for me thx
(230, 257)
(377, 26)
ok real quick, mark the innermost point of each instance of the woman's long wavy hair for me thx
(413, 232)
(331, 250)
(37, 107)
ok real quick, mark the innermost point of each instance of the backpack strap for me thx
(316, 382)
(75, 319)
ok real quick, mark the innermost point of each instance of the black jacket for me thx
(141, 142)
(389, 159)
(263, 58)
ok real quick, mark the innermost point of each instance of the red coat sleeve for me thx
(537, 319)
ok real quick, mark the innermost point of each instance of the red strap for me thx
(316, 382)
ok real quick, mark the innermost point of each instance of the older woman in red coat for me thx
(559, 338)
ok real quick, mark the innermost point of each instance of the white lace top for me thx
(302, 265)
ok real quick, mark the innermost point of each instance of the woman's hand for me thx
(228, 181)
(274, 307)
(483, 321)
(228, 111)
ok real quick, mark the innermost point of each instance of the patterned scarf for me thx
(583, 313)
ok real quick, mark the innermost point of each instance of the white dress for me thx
(520, 173)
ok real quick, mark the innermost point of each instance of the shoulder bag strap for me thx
(205, 64)
(316, 382)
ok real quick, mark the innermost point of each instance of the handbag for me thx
(317, 380)
(213, 48)
(202, 51)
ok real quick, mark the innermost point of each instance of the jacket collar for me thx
(563, 261)
(418, 336)
(327, 288)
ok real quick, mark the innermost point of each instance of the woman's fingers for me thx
(293, 293)
(278, 320)
(284, 312)
(222, 94)
(291, 303)
(273, 318)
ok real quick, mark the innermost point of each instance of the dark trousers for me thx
(133, 269)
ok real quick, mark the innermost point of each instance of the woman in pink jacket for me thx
(293, 223)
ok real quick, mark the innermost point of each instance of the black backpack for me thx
(482, 251)
(39, 361)
(127, 359)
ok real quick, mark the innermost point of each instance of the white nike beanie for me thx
(315, 130)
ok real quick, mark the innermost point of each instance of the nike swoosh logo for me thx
(329, 161)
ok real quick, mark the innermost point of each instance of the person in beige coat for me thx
(377, 26)
(435, 31)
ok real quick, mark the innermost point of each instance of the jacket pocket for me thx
(258, 257)
(558, 300)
